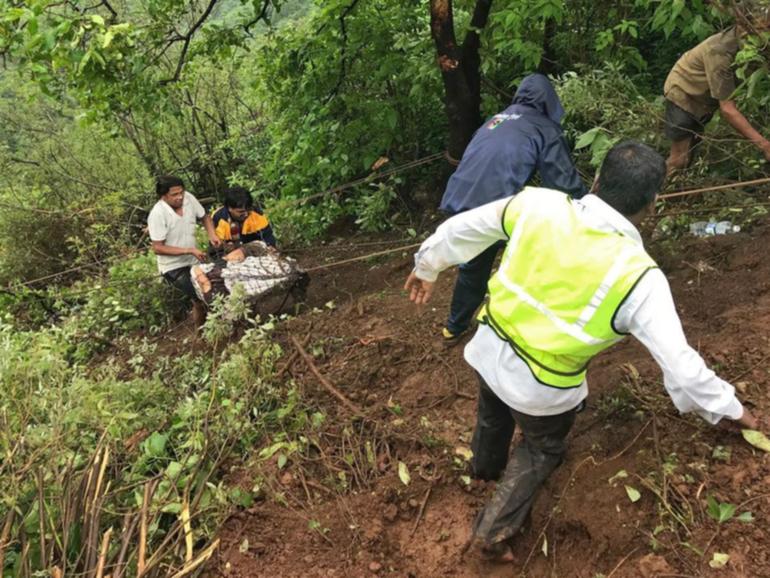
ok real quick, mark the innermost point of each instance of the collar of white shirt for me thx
(599, 215)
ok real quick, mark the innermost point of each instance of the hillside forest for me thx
(134, 444)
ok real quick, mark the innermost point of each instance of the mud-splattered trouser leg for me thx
(492, 437)
(541, 451)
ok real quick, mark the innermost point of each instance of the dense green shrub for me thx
(173, 426)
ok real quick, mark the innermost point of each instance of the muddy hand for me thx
(420, 291)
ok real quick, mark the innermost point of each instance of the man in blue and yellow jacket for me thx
(240, 221)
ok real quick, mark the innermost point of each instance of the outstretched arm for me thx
(649, 315)
(457, 240)
(735, 119)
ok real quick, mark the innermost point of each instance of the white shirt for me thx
(175, 230)
(648, 314)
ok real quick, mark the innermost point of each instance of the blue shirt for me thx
(509, 147)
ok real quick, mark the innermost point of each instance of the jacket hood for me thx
(536, 91)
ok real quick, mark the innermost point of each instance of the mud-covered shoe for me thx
(450, 338)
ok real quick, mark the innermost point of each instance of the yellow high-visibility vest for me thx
(559, 286)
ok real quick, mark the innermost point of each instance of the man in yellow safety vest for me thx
(574, 279)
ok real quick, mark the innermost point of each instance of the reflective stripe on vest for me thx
(559, 286)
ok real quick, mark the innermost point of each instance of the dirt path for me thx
(349, 514)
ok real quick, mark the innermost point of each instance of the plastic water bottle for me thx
(709, 229)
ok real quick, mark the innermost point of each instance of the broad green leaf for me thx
(403, 473)
(282, 459)
(155, 445)
(587, 138)
(757, 439)
(173, 470)
(719, 560)
(172, 508)
(720, 511)
(746, 517)
(633, 493)
(726, 511)
(241, 498)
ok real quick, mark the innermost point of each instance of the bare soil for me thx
(418, 398)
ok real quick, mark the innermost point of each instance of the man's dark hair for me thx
(165, 183)
(630, 177)
(238, 198)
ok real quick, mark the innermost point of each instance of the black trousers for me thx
(180, 279)
(471, 287)
(541, 452)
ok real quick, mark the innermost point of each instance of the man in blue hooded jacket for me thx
(502, 156)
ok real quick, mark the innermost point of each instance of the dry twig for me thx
(325, 382)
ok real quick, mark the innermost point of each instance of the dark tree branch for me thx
(187, 38)
(260, 16)
(111, 10)
(471, 59)
(343, 50)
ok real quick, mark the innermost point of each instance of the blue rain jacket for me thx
(508, 148)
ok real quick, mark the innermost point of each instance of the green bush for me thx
(173, 427)
(131, 297)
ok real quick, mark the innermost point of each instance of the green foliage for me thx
(71, 193)
(132, 297)
(719, 511)
(118, 59)
(335, 98)
(603, 107)
(60, 422)
(225, 314)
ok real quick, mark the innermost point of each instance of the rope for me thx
(412, 164)
(707, 210)
(362, 257)
(735, 185)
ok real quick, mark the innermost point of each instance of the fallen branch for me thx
(325, 382)
(421, 511)
(293, 356)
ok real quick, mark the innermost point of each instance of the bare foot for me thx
(235, 256)
(203, 281)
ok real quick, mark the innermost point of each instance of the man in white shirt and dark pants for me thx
(574, 279)
(171, 224)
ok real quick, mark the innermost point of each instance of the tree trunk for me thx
(548, 60)
(459, 71)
